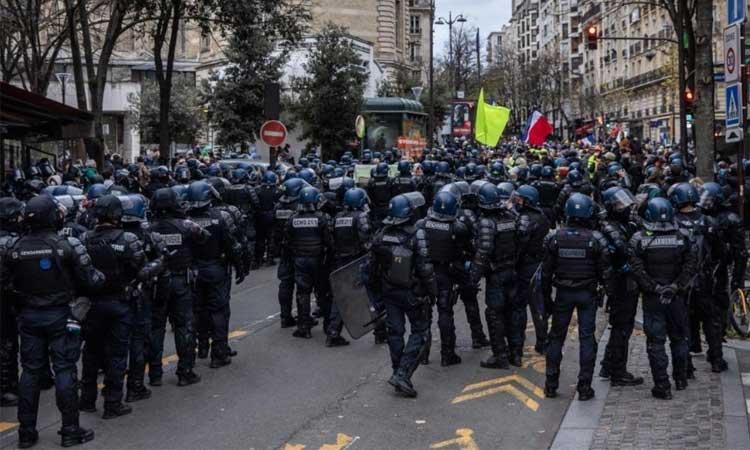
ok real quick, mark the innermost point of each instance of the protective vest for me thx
(399, 260)
(106, 255)
(380, 192)
(505, 241)
(443, 248)
(212, 249)
(346, 233)
(180, 256)
(239, 196)
(284, 211)
(38, 269)
(575, 255)
(306, 234)
(663, 256)
(402, 185)
(267, 197)
(547, 193)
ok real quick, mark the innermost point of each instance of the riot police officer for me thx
(497, 243)
(548, 192)
(286, 207)
(351, 239)
(576, 263)
(616, 228)
(307, 239)
(87, 219)
(535, 224)
(245, 197)
(46, 271)
(662, 263)
(379, 191)
(210, 261)
(404, 182)
(268, 195)
(447, 237)
(174, 297)
(703, 310)
(574, 182)
(133, 221)
(11, 215)
(71, 228)
(119, 255)
(401, 260)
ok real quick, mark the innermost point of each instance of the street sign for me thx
(273, 133)
(360, 126)
(733, 135)
(735, 11)
(733, 97)
(732, 54)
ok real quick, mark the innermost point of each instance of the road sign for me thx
(732, 54)
(360, 126)
(733, 97)
(735, 11)
(273, 133)
(733, 135)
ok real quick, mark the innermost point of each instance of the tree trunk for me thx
(75, 53)
(704, 84)
(165, 76)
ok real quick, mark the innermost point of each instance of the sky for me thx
(488, 15)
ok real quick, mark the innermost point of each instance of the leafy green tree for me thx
(332, 93)
(186, 118)
(260, 34)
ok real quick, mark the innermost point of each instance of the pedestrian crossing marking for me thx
(5, 426)
(506, 386)
(464, 440)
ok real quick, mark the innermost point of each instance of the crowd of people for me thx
(98, 261)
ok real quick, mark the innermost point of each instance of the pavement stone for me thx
(633, 419)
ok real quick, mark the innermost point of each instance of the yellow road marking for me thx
(464, 440)
(5, 426)
(342, 441)
(238, 334)
(517, 378)
(508, 389)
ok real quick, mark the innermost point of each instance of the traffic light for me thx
(689, 99)
(592, 37)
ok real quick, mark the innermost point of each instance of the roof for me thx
(25, 113)
(392, 105)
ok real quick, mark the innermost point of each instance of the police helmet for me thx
(96, 191)
(443, 168)
(381, 170)
(165, 199)
(529, 194)
(309, 197)
(575, 177)
(182, 194)
(683, 194)
(290, 189)
(108, 209)
(270, 178)
(444, 206)
(579, 206)
(505, 190)
(402, 208)
(489, 196)
(355, 198)
(548, 172)
(290, 175)
(659, 210)
(308, 175)
(536, 170)
(133, 208)
(497, 169)
(201, 194)
(42, 212)
(304, 162)
(404, 168)
(712, 196)
(11, 211)
(617, 199)
(428, 167)
(613, 168)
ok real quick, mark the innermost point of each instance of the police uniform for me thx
(285, 272)
(268, 195)
(379, 191)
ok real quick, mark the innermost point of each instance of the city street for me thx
(282, 392)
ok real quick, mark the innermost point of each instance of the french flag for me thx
(537, 129)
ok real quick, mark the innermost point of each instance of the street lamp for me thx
(450, 21)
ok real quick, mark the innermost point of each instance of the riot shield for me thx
(350, 297)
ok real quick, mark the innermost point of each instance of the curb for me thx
(582, 418)
(736, 425)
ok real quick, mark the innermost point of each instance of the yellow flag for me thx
(490, 122)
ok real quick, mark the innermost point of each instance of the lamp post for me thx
(62, 78)
(450, 21)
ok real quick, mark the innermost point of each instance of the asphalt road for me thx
(286, 393)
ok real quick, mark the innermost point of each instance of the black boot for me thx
(232, 352)
(115, 409)
(87, 405)
(499, 358)
(220, 361)
(625, 379)
(187, 378)
(690, 371)
(680, 384)
(449, 359)
(75, 435)
(303, 333)
(202, 349)
(541, 347)
(515, 358)
(719, 365)
(662, 392)
(27, 438)
(585, 392)
(137, 392)
(336, 341)
(9, 399)
(402, 384)
(288, 322)
(154, 380)
(479, 341)
(495, 362)
(550, 392)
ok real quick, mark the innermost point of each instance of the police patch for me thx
(344, 222)
(305, 222)
(391, 239)
(666, 242)
(45, 264)
(172, 239)
(441, 226)
(572, 253)
(284, 213)
(505, 226)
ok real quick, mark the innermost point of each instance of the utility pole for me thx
(450, 21)
(431, 118)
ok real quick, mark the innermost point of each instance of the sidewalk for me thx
(710, 414)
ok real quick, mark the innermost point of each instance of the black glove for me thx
(666, 293)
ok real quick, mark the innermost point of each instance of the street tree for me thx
(330, 96)
(185, 119)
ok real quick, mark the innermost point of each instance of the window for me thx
(565, 31)
(205, 42)
(399, 25)
(414, 27)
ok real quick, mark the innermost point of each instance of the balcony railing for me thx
(646, 79)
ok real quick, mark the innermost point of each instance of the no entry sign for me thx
(732, 54)
(273, 133)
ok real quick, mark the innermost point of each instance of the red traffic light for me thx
(592, 37)
(689, 96)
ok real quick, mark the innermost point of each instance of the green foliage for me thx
(260, 34)
(186, 117)
(331, 95)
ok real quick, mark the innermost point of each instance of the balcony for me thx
(592, 12)
(646, 79)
